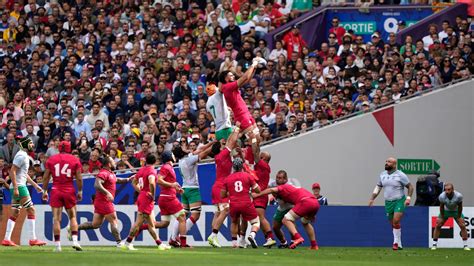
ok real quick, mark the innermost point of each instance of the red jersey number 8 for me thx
(238, 186)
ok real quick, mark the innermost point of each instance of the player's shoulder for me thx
(383, 173)
(401, 173)
(458, 194)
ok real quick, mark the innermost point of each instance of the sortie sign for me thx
(417, 166)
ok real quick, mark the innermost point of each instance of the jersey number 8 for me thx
(238, 186)
(64, 171)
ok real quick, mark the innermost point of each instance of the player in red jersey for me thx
(145, 179)
(168, 202)
(223, 169)
(105, 185)
(306, 207)
(64, 168)
(237, 187)
(262, 169)
(230, 89)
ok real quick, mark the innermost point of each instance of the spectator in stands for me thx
(338, 30)
(293, 41)
(316, 192)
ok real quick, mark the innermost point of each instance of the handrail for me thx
(392, 102)
(322, 9)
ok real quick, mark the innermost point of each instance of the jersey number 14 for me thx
(62, 171)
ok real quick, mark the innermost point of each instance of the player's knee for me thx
(255, 222)
(305, 221)
(289, 217)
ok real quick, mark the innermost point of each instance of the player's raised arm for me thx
(204, 152)
(255, 147)
(232, 140)
(247, 76)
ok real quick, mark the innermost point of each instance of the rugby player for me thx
(231, 90)
(237, 187)
(105, 186)
(20, 196)
(282, 209)
(306, 207)
(217, 107)
(393, 182)
(191, 198)
(63, 168)
(223, 169)
(450, 205)
(262, 170)
(145, 179)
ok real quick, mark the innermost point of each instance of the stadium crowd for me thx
(131, 79)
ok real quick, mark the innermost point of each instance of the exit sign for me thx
(417, 166)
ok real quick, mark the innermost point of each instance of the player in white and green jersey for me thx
(450, 205)
(191, 197)
(217, 107)
(393, 182)
(20, 195)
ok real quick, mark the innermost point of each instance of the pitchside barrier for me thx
(348, 226)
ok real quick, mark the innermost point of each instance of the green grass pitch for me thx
(111, 256)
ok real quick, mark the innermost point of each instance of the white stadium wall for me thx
(346, 158)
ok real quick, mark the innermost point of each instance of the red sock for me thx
(74, 233)
(182, 239)
(31, 217)
(296, 236)
(269, 234)
(313, 243)
(13, 218)
(192, 220)
(398, 226)
(158, 242)
(56, 238)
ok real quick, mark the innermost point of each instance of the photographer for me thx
(428, 188)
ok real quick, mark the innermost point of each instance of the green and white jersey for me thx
(188, 167)
(450, 204)
(22, 162)
(282, 205)
(393, 184)
(217, 106)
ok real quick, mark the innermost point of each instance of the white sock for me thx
(465, 242)
(435, 242)
(57, 243)
(213, 234)
(189, 224)
(396, 235)
(175, 230)
(10, 226)
(253, 234)
(31, 228)
(74, 239)
(234, 242)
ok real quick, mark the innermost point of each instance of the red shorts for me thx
(63, 198)
(103, 207)
(169, 205)
(306, 208)
(261, 202)
(216, 195)
(145, 203)
(246, 210)
(246, 121)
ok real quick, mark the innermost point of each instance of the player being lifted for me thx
(231, 90)
(262, 169)
(223, 161)
(217, 107)
(450, 206)
(105, 186)
(20, 195)
(145, 179)
(64, 168)
(191, 198)
(394, 182)
(237, 187)
(306, 207)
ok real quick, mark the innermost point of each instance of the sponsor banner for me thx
(384, 21)
(450, 235)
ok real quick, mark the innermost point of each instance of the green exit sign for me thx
(417, 166)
